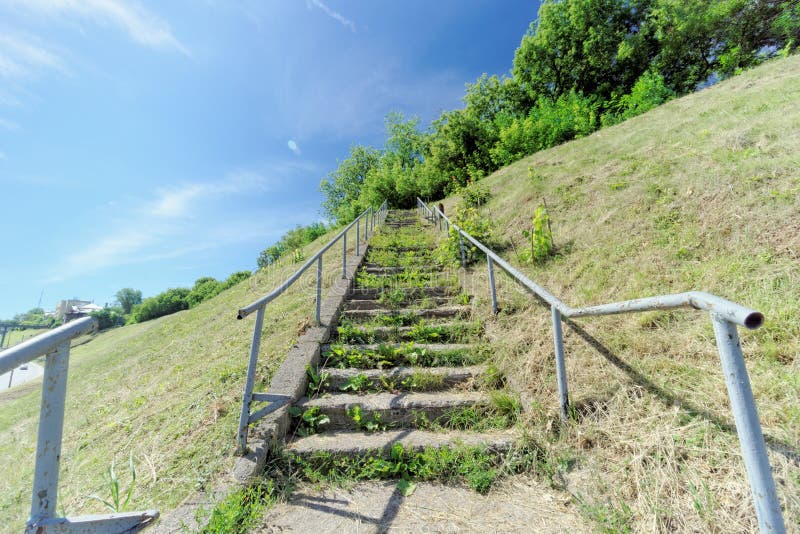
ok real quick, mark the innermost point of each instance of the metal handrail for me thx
(370, 217)
(725, 315)
(55, 344)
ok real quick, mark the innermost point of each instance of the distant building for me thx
(68, 310)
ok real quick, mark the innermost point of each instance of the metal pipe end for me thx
(754, 320)
(240, 315)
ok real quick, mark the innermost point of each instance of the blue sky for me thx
(147, 144)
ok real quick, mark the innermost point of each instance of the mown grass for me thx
(15, 337)
(168, 391)
(701, 193)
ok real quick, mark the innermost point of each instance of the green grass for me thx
(702, 193)
(386, 356)
(168, 391)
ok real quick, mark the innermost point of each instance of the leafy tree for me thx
(648, 92)
(128, 298)
(235, 278)
(342, 187)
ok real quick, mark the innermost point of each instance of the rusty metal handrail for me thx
(55, 346)
(370, 217)
(725, 315)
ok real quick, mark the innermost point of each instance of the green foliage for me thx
(292, 241)
(117, 503)
(473, 223)
(235, 278)
(35, 317)
(357, 383)
(204, 289)
(475, 195)
(540, 237)
(128, 298)
(549, 123)
(342, 187)
(239, 511)
(648, 92)
(109, 318)
(308, 421)
(170, 301)
(386, 356)
(317, 381)
(373, 423)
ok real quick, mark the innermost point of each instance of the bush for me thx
(539, 238)
(292, 240)
(475, 195)
(109, 317)
(170, 301)
(473, 223)
(648, 92)
(235, 278)
(204, 288)
(549, 123)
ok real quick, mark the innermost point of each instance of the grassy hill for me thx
(168, 391)
(701, 193)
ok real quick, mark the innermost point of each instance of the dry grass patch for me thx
(168, 391)
(702, 193)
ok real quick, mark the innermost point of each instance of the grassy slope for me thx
(168, 390)
(702, 193)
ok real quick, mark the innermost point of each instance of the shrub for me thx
(109, 317)
(475, 195)
(473, 223)
(540, 238)
(549, 123)
(648, 92)
(235, 278)
(170, 301)
(204, 288)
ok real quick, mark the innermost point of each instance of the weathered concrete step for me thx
(421, 378)
(373, 304)
(430, 347)
(404, 409)
(360, 443)
(443, 332)
(404, 248)
(397, 269)
(374, 293)
(440, 312)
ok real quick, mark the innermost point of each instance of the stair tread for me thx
(450, 375)
(425, 346)
(344, 442)
(395, 401)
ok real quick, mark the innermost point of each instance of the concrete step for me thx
(430, 347)
(394, 410)
(397, 269)
(366, 304)
(360, 443)
(404, 249)
(420, 378)
(444, 332)
(374, 293)
(440, 312)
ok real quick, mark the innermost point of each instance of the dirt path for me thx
(518, 504)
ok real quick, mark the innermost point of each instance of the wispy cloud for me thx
(8, 125)
(179, 202)
(344, 21)
(142, 26)
(22, 56)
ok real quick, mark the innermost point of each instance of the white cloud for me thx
(22, 56)
(8, 125)
(141, 25)
(178, 202)
(333, 14)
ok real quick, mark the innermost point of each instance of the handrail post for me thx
(319, 288)
(358, 235)
(461, 248)
(247, 396)
(51, 425)
(344, 255)
(491, 284)
(751, 439)
(561, 369)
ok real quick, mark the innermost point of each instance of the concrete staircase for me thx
(407, 359)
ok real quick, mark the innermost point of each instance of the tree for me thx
(128, 298)
(342, 187)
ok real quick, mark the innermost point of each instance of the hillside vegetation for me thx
(167, 391)
(702, 193)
